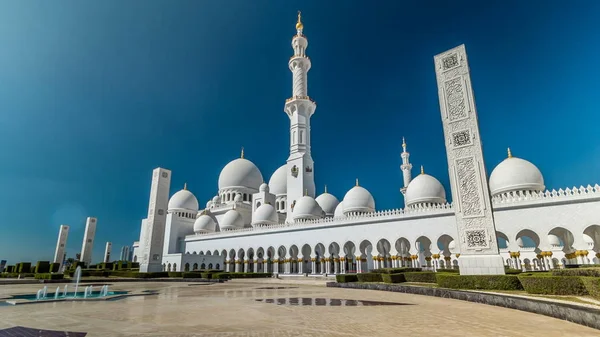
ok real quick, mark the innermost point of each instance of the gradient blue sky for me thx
(94, 95)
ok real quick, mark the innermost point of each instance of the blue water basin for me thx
(50, 296)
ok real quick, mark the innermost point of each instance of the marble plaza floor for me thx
(286, 309)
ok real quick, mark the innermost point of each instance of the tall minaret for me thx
(405, 167)
(299, 109)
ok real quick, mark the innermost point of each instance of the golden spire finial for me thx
(422, 170)
(403, 143)
(242, 155)
(185, 186)
(299, 24)
(325, 188)
(356, 181)
(509, 153)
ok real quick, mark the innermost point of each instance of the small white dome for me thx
(307, 208)
(452, 247)
(183, 199)
(328, 203)
(358, 199)
(520, 242)
(425, 189)
(515, 174)
(264, 188)
(216, 200)
(339, 210)
(240, 173)
(232, 220)
(278, 181)
(204, 224)
(265, 214)
(209, 204)
(238, 198)
(588, 239)
(554, 240)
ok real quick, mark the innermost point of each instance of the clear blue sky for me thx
(94, 95)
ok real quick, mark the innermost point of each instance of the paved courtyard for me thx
(304, 309)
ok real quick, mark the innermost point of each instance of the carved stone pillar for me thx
(468, 181)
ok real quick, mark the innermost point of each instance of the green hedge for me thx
(553, 285)
(424, 277)
(369, 277)
(227, 276)
(590, 272)
(23, 267)
(205, 275)
(343, 278)
(48, 276)
(451, 271)
(510, 271)
(393, 278)
(592, 285)
(42, 267)
(175, 273)
(10, 269)
(159, 274)
(394, 270)
(484, 282)
(16, 275)
(54, 267)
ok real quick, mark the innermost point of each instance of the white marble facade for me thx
(252, 226)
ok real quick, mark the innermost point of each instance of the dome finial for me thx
(403, 144)
(509, 153)
(356, 181)
(242, 155)
(299, 25)
(422, 170)
(185, 186)
(325, 188)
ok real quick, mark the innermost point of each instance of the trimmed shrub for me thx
(192, 274)
(369, 277)
(23, 267)
(510, 271)
(553, 285)
(176, 273)
(227, 276)
(484, 282)
(394, 270)
(135, 265)
(206, 275)
(42, 267)
(423, 277)
(221, 276)
(16, 275)
(393, 278)
(588, 272)
(592, 285)
(48, 276)
(10, 269)
(343, 278)
(159, 274)
(54, 267)
(451, 271)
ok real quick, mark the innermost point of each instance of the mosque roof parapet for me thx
(378, 216)
(553, 196)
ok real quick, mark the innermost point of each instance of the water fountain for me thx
(44, 291)
(38, 296)
(65, 291)
(87, 291)
(77, 278)
(104, 290)
(56, 293)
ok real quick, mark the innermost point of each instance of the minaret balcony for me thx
(299, 97)
(299, 56)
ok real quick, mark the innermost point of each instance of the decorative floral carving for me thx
(450, 61)
(294, 171)
(461, 138)
(165, 174)
(455, 99)
(476, 238)
(468, 187)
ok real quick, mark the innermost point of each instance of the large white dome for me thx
(328, 203)
(339, 210)
(265, 214)
(240, 173)
(231, 220)
(185, 200)
(204, 224)
(515, 174)
(278, 181)
(358, 199)
(307, 208)
(425, 189)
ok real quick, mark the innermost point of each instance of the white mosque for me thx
(283, 227)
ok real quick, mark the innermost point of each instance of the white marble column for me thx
(313, 269)
(255, 266)
(237, 265)
(246, 266)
